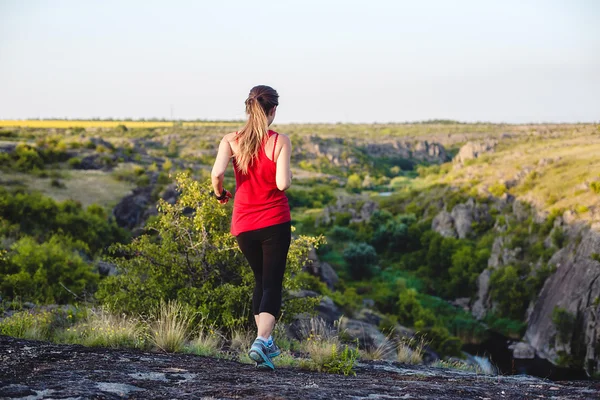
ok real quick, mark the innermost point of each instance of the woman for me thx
(261, 213)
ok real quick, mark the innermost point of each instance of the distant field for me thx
(64, 124)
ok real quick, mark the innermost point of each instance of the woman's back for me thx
(258, 202)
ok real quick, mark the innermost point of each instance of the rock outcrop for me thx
(574, 288)
(38, 370)
(459, 222)
(322, 270)
(359, 209)
(471, 150)
(345, 152)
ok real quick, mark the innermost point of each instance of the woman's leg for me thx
(275, 246)
(252, 250)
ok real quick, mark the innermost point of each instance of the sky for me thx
(365, 61)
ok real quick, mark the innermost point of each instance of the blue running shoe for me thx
(259, 353)
(272, 349)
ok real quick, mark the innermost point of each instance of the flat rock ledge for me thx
(40, 370)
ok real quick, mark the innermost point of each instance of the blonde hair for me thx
(252, 137)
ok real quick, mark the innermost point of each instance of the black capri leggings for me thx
(266, 250)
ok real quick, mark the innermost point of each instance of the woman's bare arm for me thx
(220, 166)
(283, 175)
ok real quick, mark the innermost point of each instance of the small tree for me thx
(361, 259)
(189, 255)
(354, 183)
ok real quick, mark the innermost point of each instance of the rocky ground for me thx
(40, 370)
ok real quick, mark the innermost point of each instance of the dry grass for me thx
(241, 340)
(562, 168)
(410, 350)
(170, 331)
(105, 329)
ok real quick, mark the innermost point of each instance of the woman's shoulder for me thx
(230, 137)
(279, 135)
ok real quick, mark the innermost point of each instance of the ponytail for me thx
(254, 134)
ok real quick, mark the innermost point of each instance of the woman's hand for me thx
(225, 200)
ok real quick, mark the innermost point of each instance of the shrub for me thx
(342, 233)
(564, 322)
(354, 183)
(595, 187)
(41, 217)
(361, 259)
(497, 189)
(27, 158)
(75, 162)
(509, 292)
(27, 325)
(51, 272)
(189, 255)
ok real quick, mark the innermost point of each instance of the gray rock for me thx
(130, 210)
(443, 223)
(522, 350)
(328, 275)
(574, 286)
(106, 268)
(368, 335)
(322, 270)
(472, 150)
(481, 304)
(369, 316)
(462, 215)
(520, 211)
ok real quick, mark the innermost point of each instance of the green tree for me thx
(51, 272)
(354, 183)
(509, 292)
(361, 259)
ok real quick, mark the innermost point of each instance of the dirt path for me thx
(40, 370)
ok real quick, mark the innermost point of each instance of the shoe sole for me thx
(261, 359)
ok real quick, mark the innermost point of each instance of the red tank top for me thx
(258, 202)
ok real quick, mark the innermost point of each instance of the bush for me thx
(41, 217)
(497, 189)
(75, 162)
(361, 259)
(509, 292)
(192, 258)
(51, 272)
(564, 322)
(27, 325)
(354, 183)
(342, 233)
(595, 187)
(315, 198)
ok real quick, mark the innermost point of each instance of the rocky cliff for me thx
(574, 287)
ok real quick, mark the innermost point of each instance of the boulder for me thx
(368, 335)
(105, 268)
(321, 270)
(369, 316)
(128, 213)
(522, 351)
